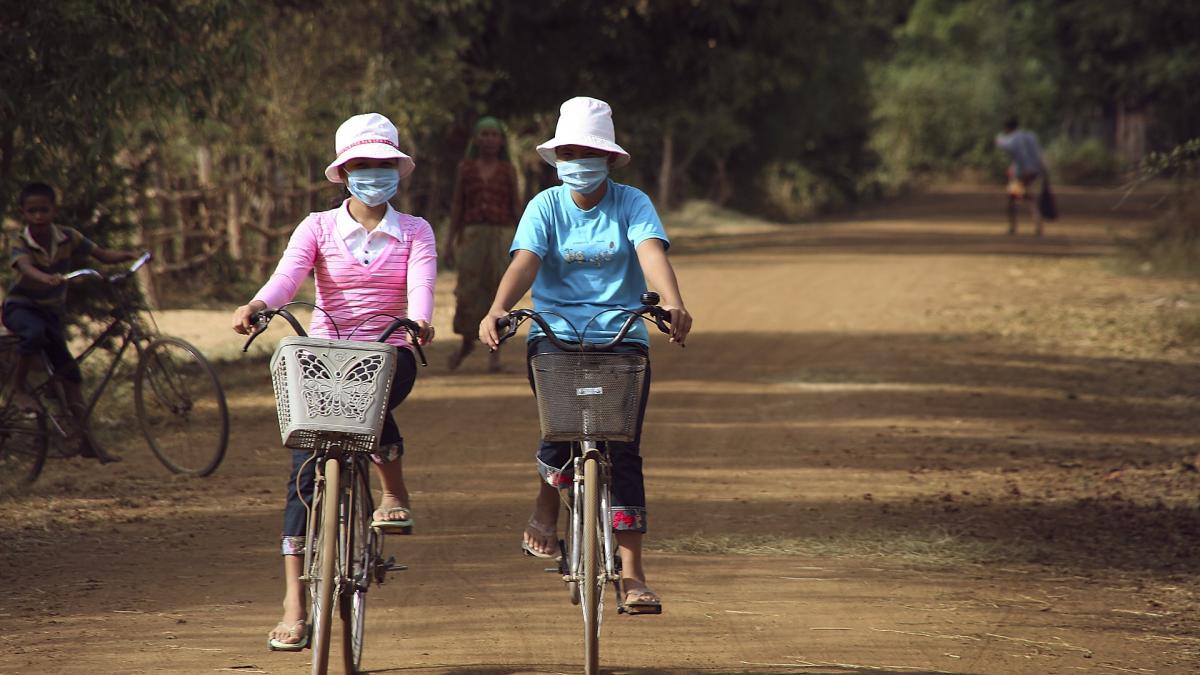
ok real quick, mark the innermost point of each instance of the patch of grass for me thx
(698, 218)
(922, 548)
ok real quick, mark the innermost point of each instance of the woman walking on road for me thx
(588, 245)
(483, 214)
(370, 261)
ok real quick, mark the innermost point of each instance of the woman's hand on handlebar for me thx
(681, 323)
(489, 334)
(425, 334)
(242, 322)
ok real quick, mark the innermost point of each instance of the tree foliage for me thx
(743, 101)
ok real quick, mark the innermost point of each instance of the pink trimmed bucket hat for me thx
(369, 136)
(588, 122)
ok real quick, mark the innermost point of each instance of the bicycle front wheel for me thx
(320, 581)
(181, 407)
(363, 549)
(591, 584)
(24, 442)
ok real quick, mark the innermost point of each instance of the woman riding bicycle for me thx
(586, 246)
(371, 263)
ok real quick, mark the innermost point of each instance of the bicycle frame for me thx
(351, 466)
(130, 333)
(612, 565)
(124, 323)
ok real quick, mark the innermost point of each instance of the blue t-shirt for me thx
(589, 259)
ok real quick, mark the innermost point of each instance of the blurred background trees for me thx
(200, 129)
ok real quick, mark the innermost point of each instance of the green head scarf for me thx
(488, 123)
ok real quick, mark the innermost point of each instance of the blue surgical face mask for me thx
(373, 186)
(583, 175)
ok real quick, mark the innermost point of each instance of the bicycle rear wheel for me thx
(323, 565)
(591, 586)
(181, 407)
(24, 442)
(363, 550)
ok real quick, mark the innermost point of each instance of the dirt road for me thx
(901, 442)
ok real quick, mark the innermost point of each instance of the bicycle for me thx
(178, 399)
(588, 395)
(331, 398)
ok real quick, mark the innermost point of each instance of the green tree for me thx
(82, 80)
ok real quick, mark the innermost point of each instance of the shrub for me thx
(1081, 162)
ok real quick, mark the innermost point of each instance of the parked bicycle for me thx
(178, 399)
(331, 398)
(588, 395)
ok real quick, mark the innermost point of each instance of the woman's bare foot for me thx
(540, 537)
(456, 358)
(393, 512)
(292, 628)
(638, 598)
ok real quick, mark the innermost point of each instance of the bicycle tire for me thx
(323, 566)
(181, 407)
(361, 548)
(591, 588)
(24, 444)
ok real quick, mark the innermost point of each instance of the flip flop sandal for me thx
(641, 601)
(299, 628)
(392, 525)
(540, 530)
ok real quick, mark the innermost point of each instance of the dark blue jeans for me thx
(391, 448)
(41, 330)
(628, 485)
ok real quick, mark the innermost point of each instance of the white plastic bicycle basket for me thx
(332, 391)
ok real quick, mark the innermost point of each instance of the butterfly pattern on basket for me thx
(345, 392)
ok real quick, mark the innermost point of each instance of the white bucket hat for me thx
(368, 136)
(588, 122)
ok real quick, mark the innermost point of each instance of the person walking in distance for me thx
(483, 216)
(1026, 167)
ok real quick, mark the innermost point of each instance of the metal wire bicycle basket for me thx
(591, 396)
(331, 392)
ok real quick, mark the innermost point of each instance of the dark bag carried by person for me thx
(1046, 205)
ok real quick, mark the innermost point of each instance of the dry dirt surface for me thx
(897, 442)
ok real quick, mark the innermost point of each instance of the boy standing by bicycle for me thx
(35, 306)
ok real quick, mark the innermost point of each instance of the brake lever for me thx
(416, 342)
(661, 316)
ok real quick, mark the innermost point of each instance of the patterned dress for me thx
(482, 253)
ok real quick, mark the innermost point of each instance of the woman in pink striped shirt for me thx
(370, 263)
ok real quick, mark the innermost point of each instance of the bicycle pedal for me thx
(390, 565)
(622, 609)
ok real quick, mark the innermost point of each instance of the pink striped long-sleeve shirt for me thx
(359, 298)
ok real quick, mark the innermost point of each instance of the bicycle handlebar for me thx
(112, 278)
(660, 316)
(262, 319)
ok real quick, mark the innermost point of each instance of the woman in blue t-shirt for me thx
(588, 245)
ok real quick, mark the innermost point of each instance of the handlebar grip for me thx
(260, 322)
(507, 327)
